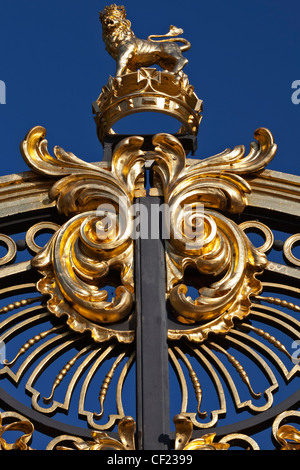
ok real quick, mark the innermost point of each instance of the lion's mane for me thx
(113, 39)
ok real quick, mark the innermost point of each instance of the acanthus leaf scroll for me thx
(222, 255)
(79, 257)
(92, 243)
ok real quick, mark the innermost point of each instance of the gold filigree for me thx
(287, 436)
(17, 423)
(87, 249)
(225, 261)
(148, 90)
(289, 244)
(11, 249)
(132, 53)
(94, 246)
(101, 441)
(184, 431)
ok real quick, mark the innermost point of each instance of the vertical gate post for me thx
(153, 422)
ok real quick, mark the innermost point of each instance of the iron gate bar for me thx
(153, 420)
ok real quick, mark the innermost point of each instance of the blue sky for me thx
(243, 61)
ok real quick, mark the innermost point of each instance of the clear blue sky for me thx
(244, 58)
(243, 61)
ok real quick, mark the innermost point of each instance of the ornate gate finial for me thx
(150, 273)
(137, 88)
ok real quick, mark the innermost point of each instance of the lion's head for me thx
(115, 26)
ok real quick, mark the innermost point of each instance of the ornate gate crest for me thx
(194, 299)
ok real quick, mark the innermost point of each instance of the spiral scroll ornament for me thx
(94, 248)
(85, 252)
(206, 241)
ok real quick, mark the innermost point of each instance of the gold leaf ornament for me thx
(203, 239)
(17, 423)
(184, 431)
(80, 256)
(95, 242)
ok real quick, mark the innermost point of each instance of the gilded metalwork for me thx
(242, 440)
(223, 256)
(184, 430)
(41, 227)
(43, 349)
(137, 88)
(101, 441)
(221, 251)
(242, 340)
(83, 252)
(148, 90)
(260, 228)
(10, 245)
(132, 53)
(291, 242)
(19, 423)
(231, 347)
(287, 436)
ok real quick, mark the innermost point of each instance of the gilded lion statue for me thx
(131, 53)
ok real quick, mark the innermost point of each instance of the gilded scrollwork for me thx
(288, 246)
(15, 422)
(286, 435)
(11, 248)
(90, 246)
(101, 441)
(95, 241)
(95, 247)
(224, 356)
(132, 53)
(220, 250)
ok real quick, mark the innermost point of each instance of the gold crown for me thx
(147, 89)
(113, 9)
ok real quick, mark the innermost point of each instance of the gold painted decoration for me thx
(138, 87)
(132, 53)
(215, 247)
(233, 332)
(184, 431)
(148, 90)
(11, 248)
(95, 242)
(287, 436)
(93, 247)
(101, 441)
(15, 422)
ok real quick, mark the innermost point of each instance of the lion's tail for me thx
(172, 37)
